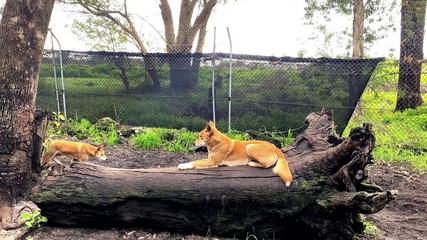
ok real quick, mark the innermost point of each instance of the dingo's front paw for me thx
(183, 166)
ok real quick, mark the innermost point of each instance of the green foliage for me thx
(90, 85)
(33, 220)
(384, 76)
(88, 77)
(378, 21)
(148, 139)
(371, 229)
(112, 136)
(182, 140)
(167, 139)
(54, 126)
(83, 129)
(100, 34)
(236, 135)
(285, 139)
(93, 92)
(403, 137)
(400, 136)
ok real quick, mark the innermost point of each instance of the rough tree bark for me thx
(411, 54)
(184, 69)
(358, 28)
(358, 49)
(23, 31)
(323, 202)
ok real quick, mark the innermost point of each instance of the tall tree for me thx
(371, 19)
(411, 54)
(184, 72)
(191, 31)
(117, 13)
(366, 14)
(23, 30)
(358, 28)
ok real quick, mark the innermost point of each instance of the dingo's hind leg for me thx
(261, 155)
(48, 156)
(57, 161)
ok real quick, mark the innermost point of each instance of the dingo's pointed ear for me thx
(100, 147)
(209, 127)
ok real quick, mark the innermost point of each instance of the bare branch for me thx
(168, 24)
(203, 17)
(185, 15)
(201, 40)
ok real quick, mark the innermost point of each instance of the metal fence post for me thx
(213, 78)
(62, 76)
(54, 76)
(229, 83)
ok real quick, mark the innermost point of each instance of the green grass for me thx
(149, 139)
(172, 140)
(371, 229)
(285, 139)
(401, 137)
(96, 91)
(237, 135)
(82, 128)
(182, 141)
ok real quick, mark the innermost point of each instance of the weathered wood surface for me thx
(323, 201)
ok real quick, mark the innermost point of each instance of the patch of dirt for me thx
(403, 218)
(406, 216)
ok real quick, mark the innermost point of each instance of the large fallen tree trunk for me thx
(323, 202)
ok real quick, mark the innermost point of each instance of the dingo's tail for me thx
(282, 168)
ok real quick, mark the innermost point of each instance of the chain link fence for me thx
(185, 90)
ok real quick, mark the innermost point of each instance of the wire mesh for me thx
(175, 90)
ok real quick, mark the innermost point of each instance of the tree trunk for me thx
(323, 202)
(411, 54)
(184, 72)
(23, 31)
(119, 62)
(358, 48)
(358, 28)
(150, 66)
